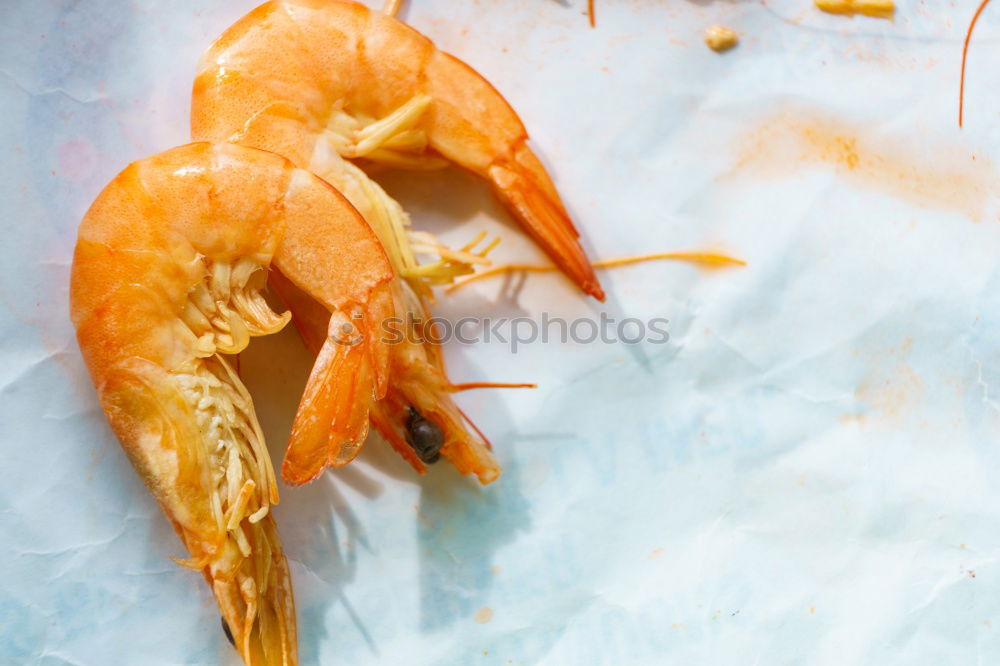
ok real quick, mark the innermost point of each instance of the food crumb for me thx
(872, 8)
(483, 615)
(656, 552)
(720, 38)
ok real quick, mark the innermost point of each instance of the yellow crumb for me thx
(720, 38)
(873, 8)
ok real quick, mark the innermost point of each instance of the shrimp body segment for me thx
(167, 276)
(326, 77)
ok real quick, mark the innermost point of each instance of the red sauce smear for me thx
(965, 53)
(590, 13)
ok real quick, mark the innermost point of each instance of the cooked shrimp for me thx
(320, 79)
(167, 277)
(309, 81)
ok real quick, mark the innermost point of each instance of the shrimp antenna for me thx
(489, 444)
(707, 259)
(468, 386)
(391, 7)
(965, 52)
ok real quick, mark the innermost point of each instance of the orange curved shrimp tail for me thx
(965, 53)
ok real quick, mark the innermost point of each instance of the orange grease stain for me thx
(890, 389)
(915, 169)
(483, 615)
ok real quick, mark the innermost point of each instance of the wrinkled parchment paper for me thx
(806, 473)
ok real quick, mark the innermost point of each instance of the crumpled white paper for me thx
(806, 473)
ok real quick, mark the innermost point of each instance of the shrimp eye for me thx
(424, 436)
(229, 634)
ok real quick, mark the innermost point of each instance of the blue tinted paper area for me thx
(805, 473)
